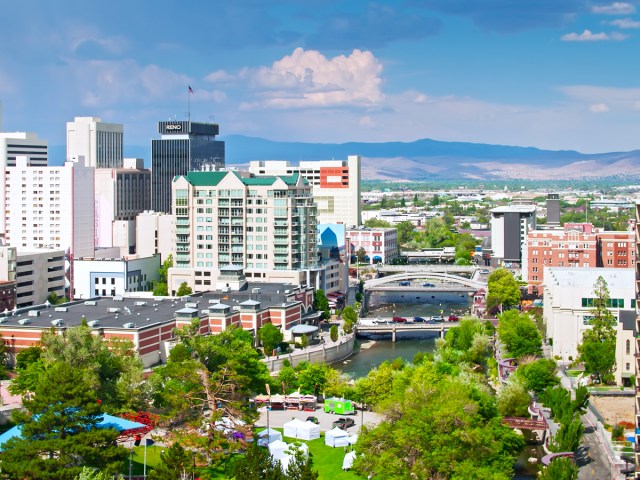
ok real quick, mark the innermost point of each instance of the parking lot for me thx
(277, 418)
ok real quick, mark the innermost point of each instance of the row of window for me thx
(611, 303)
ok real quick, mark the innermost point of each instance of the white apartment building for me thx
(48, 207)
(155, 233)
(509, 227)
(120, 195)
(266, 226)
(23, 144)
(335, 185)
(37, 273)
(380, 244)
(100, 143)
(568, 300)
(109, 277)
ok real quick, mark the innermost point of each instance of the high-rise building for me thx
(509, 227)
(336, 185)
(22, 144)
(263, 226)
(184, 146)
(100, 143)
(155, 233)
(553, 210)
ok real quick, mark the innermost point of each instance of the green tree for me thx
(361, 255)
(519, 334)
(503, 290)
(183, 290)
(598, 347)
(54, 299)
(377, 385)
(257, 464)
(405, 232)
(271, 337)
(27, 356)
(403, 202)
(301, 466)
(304, 341)
(174, 462)
(513, 399)
(350, 318)
(59, 433)
(321, 304)
(568, 437)
(538, 375)
(435, 200)
(160, 287)
(92, 474)
(560, 469)
(375, 223)
(333, 333)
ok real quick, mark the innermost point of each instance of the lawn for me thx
(137, 460)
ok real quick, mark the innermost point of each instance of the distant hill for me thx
(428, 159)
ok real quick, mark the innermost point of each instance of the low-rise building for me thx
(380, 244)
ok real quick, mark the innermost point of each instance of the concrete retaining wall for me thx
(326, 352)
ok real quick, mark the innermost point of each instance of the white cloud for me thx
(615, 8)
(306, 78)
(625, 23)
(599, 108)
(220, 76)
(586, 36)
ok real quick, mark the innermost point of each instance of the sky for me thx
(552, 74)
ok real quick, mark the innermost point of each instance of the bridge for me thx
(469, 284)
(395, 327)
(436, 254)
(426, 269)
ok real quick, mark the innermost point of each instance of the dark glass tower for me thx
(185, 146)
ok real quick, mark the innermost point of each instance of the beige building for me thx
(98, 143)
(155, 233)
(266, 226)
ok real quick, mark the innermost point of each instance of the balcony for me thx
(280, 231)
(278, 259)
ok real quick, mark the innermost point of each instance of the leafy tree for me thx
(560, 469)
(183, 290)
(403, 202)
(312, 377)
(513, 399)
(350, 318)
(288, 376)
(92, 474)
(257, 464)
(598, 347)
(304, 341)
(377, 385)
(27, 356)
(361, 255)
(567, 438)
(160, 287)
(333, 333)
(503, 290)
(270, 336)
(375, 223)
(538, 375)
(59, 430)
(405, 232)
(435, 200)
(54, 299)
(321, 304)
(174, 462)
(300, 467)
(519, 334)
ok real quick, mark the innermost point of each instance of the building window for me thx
(628, 347)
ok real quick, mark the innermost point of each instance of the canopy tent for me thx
(291, 428)
(336, 438)
(308, 431)
(353, 439)
(349, 458)
(278, 449)
(268, 436)
(122, 425)
(290, 454)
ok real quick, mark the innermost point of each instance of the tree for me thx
(321, 304)
(257, 464)
(598, 346)
(375, 223)
(519, 334)
(333, 333)
(160, 287)
(174, 462)
(405, 232)
(361, 255)
(59, 432)
(271, 337)
(54, 299)
(300, 466)
(92, 474)
(503, 290)
(538, 375)
(560, 469)
(403, 202)
(304, 341)
(183, 290)
(513, 399)
(435, 200)
(350, 318)
(567, 438)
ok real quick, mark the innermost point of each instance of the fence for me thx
(325, 352)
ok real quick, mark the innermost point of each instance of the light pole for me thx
(130, 459)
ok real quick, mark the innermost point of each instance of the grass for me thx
(137, 460)
(574, 373)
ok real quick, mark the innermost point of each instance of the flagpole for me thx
(189, 103)
(144, 472)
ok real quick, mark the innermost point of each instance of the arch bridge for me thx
(392, 281)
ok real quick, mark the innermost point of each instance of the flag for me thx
(191, 90)
(268, 387)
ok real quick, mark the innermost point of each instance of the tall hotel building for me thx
(265, 227)
(100, 143)
(335, 183)
(184, 146)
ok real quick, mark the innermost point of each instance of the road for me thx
(277, 418)
(591, 457)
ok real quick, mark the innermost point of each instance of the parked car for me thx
(313, 420)
(484, 271)
(453, 318)
(399, 319)
(344, 423)
(405, 283)
(437, 318)
(419, 319)
(427, 284)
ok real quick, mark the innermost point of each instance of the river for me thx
(372, 352)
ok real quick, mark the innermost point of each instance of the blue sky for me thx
(557, 74)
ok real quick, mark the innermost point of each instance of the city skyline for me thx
(553, 74)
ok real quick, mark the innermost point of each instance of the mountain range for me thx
(428, 160)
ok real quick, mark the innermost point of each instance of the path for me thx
(591, 457)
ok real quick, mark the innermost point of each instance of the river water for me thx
(373, 351)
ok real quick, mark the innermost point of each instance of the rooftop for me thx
(586, 277)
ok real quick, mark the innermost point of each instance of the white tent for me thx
(267, 436)
(277, 449)
(308, 431)
(353, 439)
(336, 438)
(347, 463)
(291, 428)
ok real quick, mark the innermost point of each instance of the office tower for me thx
(98, 142)
(553, 210)
(336, 185)
(265, 226)
(184, 146)
(509, 227)
(22, 144)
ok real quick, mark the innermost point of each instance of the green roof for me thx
(212, 179)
